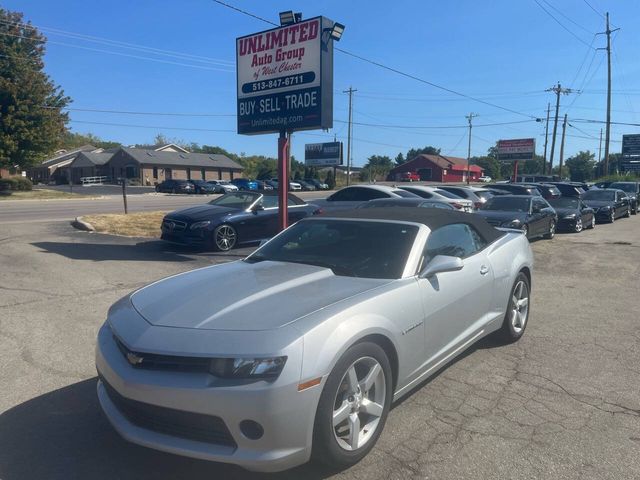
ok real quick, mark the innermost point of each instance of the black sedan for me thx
(175, 186)
(406, 202)
(573, 214)
(202, 187)
(515, 188)
(608, 204)
(232, 219)
(531, 214)
(632, 189)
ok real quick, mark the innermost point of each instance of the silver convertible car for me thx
(297, 351)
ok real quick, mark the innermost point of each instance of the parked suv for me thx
(175, 186)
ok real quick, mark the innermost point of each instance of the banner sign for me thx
(323, 154)
(285, 78)
(631, 145)
(516, 150)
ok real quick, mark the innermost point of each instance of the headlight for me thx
(203, 224)
(247, 367)
(606, 207)
(571, 216)
(512, 224)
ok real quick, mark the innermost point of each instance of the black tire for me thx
(157, 188)
(225, 237)
(174, 190)
(628, 213)
(552, 230)
(326, 450)
(579, 226)
(508, 333)
(525, 229)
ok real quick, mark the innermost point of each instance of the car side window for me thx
(365, 194)
(456, 240)
(269, 201)
(539, 204)
(344, 195)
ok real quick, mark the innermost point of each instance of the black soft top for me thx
(432, 218)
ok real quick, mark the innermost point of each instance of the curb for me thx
(82, 225)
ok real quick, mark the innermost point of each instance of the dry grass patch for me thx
(141, 224)
(41, 194)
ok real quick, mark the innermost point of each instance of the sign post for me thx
(516, 150)
(285, 84)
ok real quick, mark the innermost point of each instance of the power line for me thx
(391, 69)
(157, 127)
(568, 18)
(128, 112)
(561, 24)
(591, 7)
(122, 44)
(435, 127)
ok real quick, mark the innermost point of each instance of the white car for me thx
(485, 179)
(222, 186)
(351, 197)
(435, 193)
(294, 186)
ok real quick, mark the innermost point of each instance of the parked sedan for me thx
(406, 202)
(307, 186)
(632, 189)
(608, 204)
(351, 197)
(516, 189)
(297, 351)
(231, 220)
(221, 186)
(531, 214)
(262, 185)
(317, 183)
(202, 187)
(548, 191)
(568, 189)
(434, 193)
(245, 184)
(573, 214)
(477, 195)
(175, 186)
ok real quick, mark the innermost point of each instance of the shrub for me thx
(15, 184)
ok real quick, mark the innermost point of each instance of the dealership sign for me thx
(630, 153)
(516, 150)
(323, 154)
(285, 78)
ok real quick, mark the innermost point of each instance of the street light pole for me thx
(469, 118)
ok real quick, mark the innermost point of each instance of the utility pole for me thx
(349, 131)
(557, 90)
(607, 135)
(600, 150)
(469, 118)
(564, 129)
(546, 140)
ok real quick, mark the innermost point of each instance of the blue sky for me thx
(505, 52)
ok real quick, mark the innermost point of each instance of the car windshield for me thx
(404, 194)
(239, 200)
(344, 246)
(626, 187)
(447, 194)
(564, 202)
(603, 195)
(442, 205)
(507, 204)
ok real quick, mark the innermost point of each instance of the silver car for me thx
(297, 351)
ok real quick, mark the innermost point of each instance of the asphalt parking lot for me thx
(563, 403)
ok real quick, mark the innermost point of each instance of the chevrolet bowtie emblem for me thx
(134, 359)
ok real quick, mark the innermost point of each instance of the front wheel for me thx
(225, 237)
(515, 320)
(353, 406)
(627, 213)
(612, 216)
(578, 227)
(593, 221)
(552, 230)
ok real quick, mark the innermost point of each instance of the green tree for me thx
(490, 166)
(581, 166)
(400, 159)
(377, 168)
(414, 152)
(31, 119)
(71, 140)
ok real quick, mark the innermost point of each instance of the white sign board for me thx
(515, 150)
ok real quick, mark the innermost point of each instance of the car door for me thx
(539, 217)
(262, 221)
(296, 211)
(455, 303)
(622, 203)
(586, 213)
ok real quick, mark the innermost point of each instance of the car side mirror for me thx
(536, 209)
(441, 264)
(256, 208)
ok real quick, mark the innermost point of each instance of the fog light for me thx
(252, 430)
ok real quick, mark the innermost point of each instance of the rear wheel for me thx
(627, 213)
(515, 320)
(353, 406)
(552, 230)
(225, 237)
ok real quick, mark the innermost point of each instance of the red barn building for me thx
(437, 168)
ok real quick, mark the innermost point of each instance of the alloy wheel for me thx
(593, 221)
(225, 237)
(519, 306)
(613, 216)
(578, 228)
(359, 404)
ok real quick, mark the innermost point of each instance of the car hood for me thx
(202, 212)
(245, 296)
(501, 216)
(566, 211)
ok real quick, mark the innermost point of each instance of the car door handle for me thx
(484, 270)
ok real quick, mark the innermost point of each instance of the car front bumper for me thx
(285, 414)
